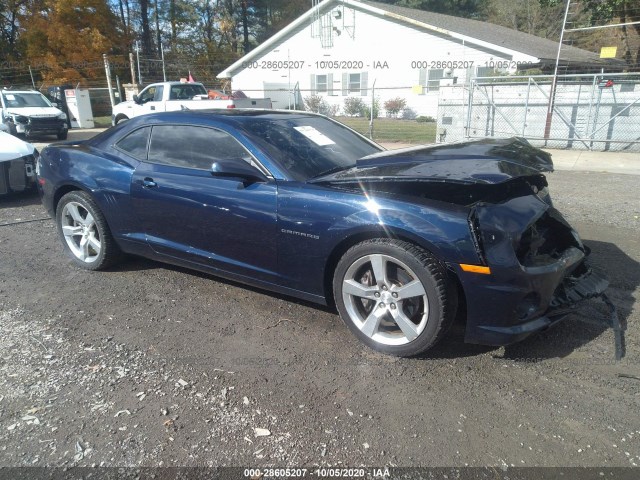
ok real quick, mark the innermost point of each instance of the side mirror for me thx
(237, 168)
(55, 104)
(136, 99)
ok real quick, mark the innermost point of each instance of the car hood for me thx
(12, 148)
(488, 161)
(46, 112)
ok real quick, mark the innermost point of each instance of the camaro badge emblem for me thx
(300, 234)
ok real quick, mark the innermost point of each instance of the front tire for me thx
(119, 119)
(84, 232)
(394, 296)
(62, 135)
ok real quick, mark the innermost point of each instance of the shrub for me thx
(393, 106)
(316, 104)
(409, 114)
(425, 119)
(376, 109)
(354, 107)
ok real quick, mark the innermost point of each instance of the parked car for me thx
(29, 113)
(170, 96)
(17, 164)
(300, 204)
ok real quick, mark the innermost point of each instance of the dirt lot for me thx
(148, 364)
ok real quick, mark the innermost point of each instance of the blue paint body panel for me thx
(466, 204)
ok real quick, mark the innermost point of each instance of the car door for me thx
(149, 100)
(188, 213)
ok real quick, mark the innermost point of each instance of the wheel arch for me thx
(119, 118)
(375, 232)
(62, 190)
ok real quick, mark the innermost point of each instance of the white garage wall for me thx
(382, 50)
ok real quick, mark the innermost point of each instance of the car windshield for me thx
(24, 99)
(308, 147)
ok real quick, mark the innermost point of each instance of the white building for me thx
(344, 48)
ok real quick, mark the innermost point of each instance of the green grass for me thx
(393, 130)
(102, 122)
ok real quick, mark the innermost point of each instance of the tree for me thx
(70, 36)
(530, 16)
(619, 11)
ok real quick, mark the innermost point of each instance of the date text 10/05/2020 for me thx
(321, 472)
(377, 64)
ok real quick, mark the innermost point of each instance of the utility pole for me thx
(133, 68)
(164, 72)
(554, 82)
(107, 70)
(138, 58)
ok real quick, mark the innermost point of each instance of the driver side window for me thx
(194, 147)
(148, 95)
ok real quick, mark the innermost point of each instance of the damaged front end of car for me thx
(539, 270)
(532, 267)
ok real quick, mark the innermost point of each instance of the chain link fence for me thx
(588, 112)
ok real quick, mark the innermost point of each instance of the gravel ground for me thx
(152, 365)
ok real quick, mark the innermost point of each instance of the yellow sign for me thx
(608, 52)
(417, 89)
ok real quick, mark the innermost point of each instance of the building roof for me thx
(541, 48)
(490, 35)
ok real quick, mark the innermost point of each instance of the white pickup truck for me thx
(171, 96)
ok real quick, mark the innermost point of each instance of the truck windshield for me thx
(24, 99)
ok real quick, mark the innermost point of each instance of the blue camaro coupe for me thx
(299, 204)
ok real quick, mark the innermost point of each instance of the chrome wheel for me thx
(385, 299)
(80, 232)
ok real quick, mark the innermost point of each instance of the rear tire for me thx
(394, 296)
(84, 232)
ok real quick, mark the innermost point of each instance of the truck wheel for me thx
(394, 296)
(120, 118)
(63, 135)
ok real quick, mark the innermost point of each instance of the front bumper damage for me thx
(539, 273)
(32, 126)
(17, 175)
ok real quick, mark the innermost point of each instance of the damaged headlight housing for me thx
(20, 119)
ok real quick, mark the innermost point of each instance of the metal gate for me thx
(591, 112)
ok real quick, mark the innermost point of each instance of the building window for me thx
(321, 83)
(433, 79)
(354, 83)
(485, 72)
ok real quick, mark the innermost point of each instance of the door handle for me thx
(152, 107)
(148, 183)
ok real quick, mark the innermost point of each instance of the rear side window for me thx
(135, 144)
(193, 147)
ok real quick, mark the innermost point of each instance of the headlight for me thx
(20, 119)
(62, 116)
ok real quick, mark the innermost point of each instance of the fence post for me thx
(589, 130)
(373, 99)
(470, 106)
(526, 108)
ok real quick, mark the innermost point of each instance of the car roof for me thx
(225, 115)
(6, 90)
